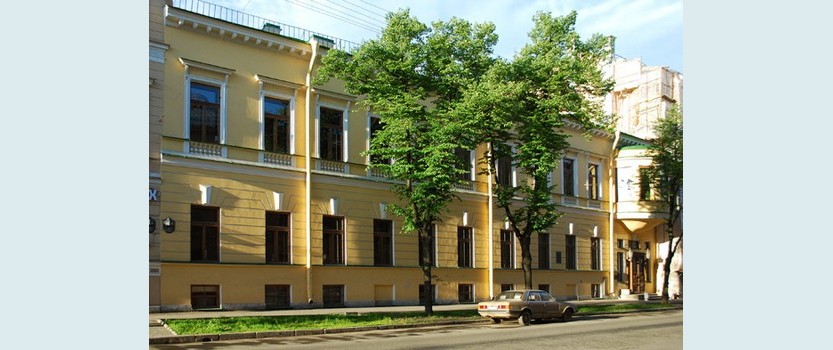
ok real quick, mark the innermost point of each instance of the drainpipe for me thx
(308, 169)
(611, 180)
(491, 231)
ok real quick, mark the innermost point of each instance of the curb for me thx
(202, 338)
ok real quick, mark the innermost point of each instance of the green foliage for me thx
(666, 170)
(526, 103)
(625, 307)
(279, 323)
(412, 77)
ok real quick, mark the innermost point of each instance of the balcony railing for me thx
(277, 158)
(259, 23)
(465, 185)
(205, 149)
(375, 172)
(332, 166)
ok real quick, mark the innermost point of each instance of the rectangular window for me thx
(275, 125)
(620, 267)
(333, 295)
(569, 177)
(277, 296)
(543, 250)
(333, 235)
(544, 287)
(570, 251)
(504, 287)
(506, 250)
(558, 257)
(422, 294)
(376, 125)
(382, 242)
(277, 237)
(331, 134)
(504, 166)
(596, 290)
(465, 247)
(205, 234)
(431, 252)
(644, 185)
(464, 157)
(205, 113)
(595, 254)
(620, 243)
(593, 181)
(205, 297)
(465, 293)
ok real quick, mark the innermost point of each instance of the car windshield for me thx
(509, 296)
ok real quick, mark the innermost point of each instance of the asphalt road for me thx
(647, 330)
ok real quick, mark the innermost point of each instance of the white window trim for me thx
(598, 181)
(223, 84)
(345, 127)
(370, 117)
(278, 96)
(563, 179)
(473, 244)
(471, 172)
(281, 96)
(514, 171)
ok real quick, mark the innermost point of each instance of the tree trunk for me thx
(526, 260)
(426, 270)
(666, 264)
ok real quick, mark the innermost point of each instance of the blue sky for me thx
(650, 29)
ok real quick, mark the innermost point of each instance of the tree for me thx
(666, 179)
(520, 109)
(412, 76)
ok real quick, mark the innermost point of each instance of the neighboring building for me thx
(641, 96)
(272, 205)
(156, 55)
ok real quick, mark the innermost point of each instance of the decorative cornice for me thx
(595, 132)
(186, 20)
(334, 94)
(205, 66)
(278, 82)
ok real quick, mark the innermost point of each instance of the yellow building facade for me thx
(265, 199)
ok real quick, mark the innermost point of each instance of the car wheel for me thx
(496, 320)
(567, 315)
(525, 318)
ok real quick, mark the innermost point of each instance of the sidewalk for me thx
(160, 334)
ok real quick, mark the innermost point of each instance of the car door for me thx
(552, 308)
(536, 305)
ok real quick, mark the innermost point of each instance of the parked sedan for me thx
(525, 305)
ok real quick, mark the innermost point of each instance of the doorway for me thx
(638, 268)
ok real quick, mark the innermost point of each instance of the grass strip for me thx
(278, 323)
(221, 325)
(616, 308)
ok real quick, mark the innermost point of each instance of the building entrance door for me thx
(637, 267)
